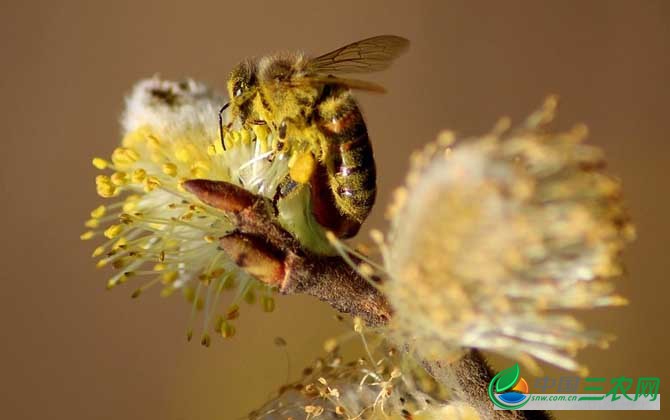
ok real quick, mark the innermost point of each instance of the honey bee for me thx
(318, 123)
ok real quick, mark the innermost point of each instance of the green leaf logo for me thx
(504, 381)
(507, 378)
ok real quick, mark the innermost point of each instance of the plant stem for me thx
(272, 255)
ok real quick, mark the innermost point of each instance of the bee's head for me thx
(242, 85)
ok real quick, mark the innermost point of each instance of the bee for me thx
(317, 123)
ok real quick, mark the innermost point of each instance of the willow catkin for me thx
(496, 239)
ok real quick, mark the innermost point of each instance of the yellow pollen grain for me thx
(98, 212)
(135, 137)
(218, 148)
(106, 190)
(87, 235)
(237, 137)
(211, 149)
(102, 180)
(182, 154)
(129, 206)
(139, 175)
(268, 303)
(113, 231)
(159, 267)
(119, 178)
(186, 216)
(377, 236)
(245, 137)
(180, 184)
(122, 242)
(209, 238)
(151, 183)
(228, 140)
(199, 169)
(124, 156)
(261, 132)
(358, 325)
(227, 330)
(101, 264)
(100, 163)
(330, 345)
(169, 277)
(92, 223)
(98, 251)
(153, 142)
(170, 169)
(301, 167)
(167, 291)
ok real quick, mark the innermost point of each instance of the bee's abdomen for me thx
(349, 160)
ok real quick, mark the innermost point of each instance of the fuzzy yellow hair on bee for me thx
(318, 123)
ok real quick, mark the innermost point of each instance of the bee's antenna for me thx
(223, 108)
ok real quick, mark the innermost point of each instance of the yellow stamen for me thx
(218, 148)
(268, 303)
(119, 178)
(100, 163)
(151, 183)
(124, 156)
(135, 137)
(139, 175)
(169, 277)
(199, 169)
(182, 154)
(92, 223)
(245, 137)
(98, 212)
(228, 140)
(261, 132)
(104, 186)
(153, 141)
(122, 242)
(211, 149)
(227, 329)
(106, 191)
(113, 231)
(170, 169)
(87, 235)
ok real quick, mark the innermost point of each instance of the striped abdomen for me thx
(349, 166)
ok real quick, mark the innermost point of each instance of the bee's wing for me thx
(366, 56)
(332, 80)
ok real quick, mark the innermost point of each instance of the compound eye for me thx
(240, 88)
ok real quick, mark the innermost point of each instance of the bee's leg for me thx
(282, 129)
(301, 166)
(281, 134)
(223, 108)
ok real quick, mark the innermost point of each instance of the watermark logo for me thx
(509, 391)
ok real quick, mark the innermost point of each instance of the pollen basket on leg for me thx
(156, 233)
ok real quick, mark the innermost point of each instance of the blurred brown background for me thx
(71, 350)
